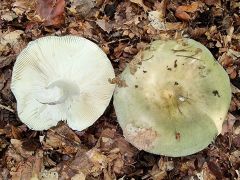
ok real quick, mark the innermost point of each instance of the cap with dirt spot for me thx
(177, 98)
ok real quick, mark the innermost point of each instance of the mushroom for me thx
(176, 98)
(61, 78)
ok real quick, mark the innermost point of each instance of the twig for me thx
(7, 108)
(190, 57)
(117, 40)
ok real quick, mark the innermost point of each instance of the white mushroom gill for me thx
(57, 92)
(62, 78)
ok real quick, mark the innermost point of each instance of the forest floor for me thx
(121, 29)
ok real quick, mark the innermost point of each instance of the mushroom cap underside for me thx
(62, 78)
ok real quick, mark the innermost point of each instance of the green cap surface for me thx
(176, 99)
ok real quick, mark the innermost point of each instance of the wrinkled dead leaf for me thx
(108, 156)
(8, 16)
(12, 158)
(232, 72)
(197, 32)
(118, 165)
(117, 148)
(186, 166)
(141, 4)
(63, 139)
(118, 81)
(79, 176)
(133, 65)
(104, 25)
(156, 20)
(79, 165)
(189, 8)
(228, 124)
(205, 174)
(23, 6)
(5, 61)
(3, 144)
(215, 169)
(234, 157)
(17, 145)
(212, 2)
(29, 169)
(11, 43)
(122, 28)
(82, 7)
(99, 161)
(10, 38)
(2, 79)
(182, 15)
(236, 141)
(13, 133)
(159, 171)
(51, 12)
(182, 11)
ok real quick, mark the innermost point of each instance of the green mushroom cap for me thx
(175, 100)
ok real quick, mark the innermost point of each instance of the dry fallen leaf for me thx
(121, 28)
(21, 163)
(197, 32)
(5, 61)
(212, 2)
(182, 11)
(228, 124)
(63, 139)
(215, 169)
(79, 176)
(29, 169)
(82, 7)
(99, 161)
(80, 165)
(156, 20)
(159, 171)
(189, 8)
(205, 174)
(13, 132)
(51, 12)
(234, 157)
(17, 145)
(8, 16)
(232, 72)
(182, 15)
(23, 6)
(3, 144)
(11, 43)
(118, 81)
(141, 4)
(104, 25)
(10, 38)
(12, 158)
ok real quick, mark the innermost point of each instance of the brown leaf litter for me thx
(122, 29)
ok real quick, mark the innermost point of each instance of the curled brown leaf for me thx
(51, 12)
(182, 11)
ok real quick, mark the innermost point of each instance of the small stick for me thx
(191, 57)
(117, 40)
(7, 108)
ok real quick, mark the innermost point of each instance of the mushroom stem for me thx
(58, 92)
